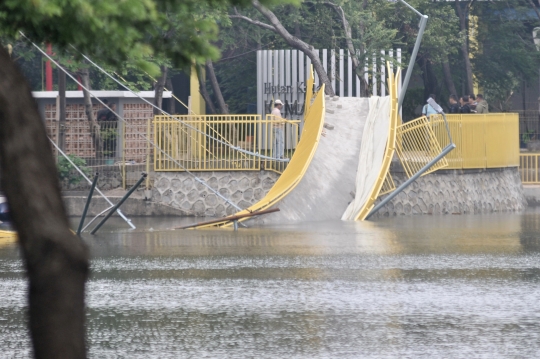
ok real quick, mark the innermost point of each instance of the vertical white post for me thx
(398, 54)
(316, 75)
(260, 82)
(391, 55)
(325, 60)
(301, 68)
(383, 74)
(276, 72)
(288, 95)
(350, 77)
(374, 75)
(333, 68)
(357, 80)
(294, 81)
(301, 80)
(341, 74)
(366, 76)
(308, 64)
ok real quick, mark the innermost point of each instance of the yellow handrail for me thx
(384, 179)
(300, 161)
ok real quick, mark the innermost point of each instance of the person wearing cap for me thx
(279, 125)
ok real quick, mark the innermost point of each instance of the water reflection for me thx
(441, 286)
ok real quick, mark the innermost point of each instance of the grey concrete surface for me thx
(532, 194)
(325, 191)
(243, 188)
(458, 192)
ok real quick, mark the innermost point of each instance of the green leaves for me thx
(118, 31)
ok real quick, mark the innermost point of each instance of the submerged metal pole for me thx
(408, 182)
(88, 200)
(422, 28)
(119, 204)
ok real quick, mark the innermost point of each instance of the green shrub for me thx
(66, 171)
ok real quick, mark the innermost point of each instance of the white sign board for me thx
(281, 74)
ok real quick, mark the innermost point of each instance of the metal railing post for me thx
(119, 204)
(408, 182)
(88, 200)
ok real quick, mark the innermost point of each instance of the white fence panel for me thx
(281, 75)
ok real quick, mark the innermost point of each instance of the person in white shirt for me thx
(428, 110)
(279, 136)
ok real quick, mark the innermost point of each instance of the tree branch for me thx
(535, 8)
(251, 21)
(297, 44)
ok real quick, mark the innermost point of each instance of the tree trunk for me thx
(172, 103)
(94, 126)
(215, 87)
(203, 91)
(448, 77)
(357, 69)
(431, 85)
(158, 90)
(462, 14)
(56, 261)
(298, 44)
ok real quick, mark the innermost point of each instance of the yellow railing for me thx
(385, 183)
(528, 168)
(220, 142)
(482, 141)
(416, 145)
(291, 177)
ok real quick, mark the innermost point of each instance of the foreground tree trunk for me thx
(158, 91)
(88, 108)
(56, 261)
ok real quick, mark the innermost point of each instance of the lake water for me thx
(415, 287)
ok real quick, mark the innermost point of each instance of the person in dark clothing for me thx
(109, 125)
(465, 108)
(454, 105)
(472, 103)
(103, 113)
(111, 115)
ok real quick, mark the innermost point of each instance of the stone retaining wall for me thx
(180, 190)
(458, 192)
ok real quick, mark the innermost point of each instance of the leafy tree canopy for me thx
(116, 31)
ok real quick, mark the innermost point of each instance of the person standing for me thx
(465, 108)
(109, 133)
(472, 103)
(454, 105)
(102, 114)
(428, 110)
(279, 126)
(482, 106)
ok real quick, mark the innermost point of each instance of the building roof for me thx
(99, 93)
